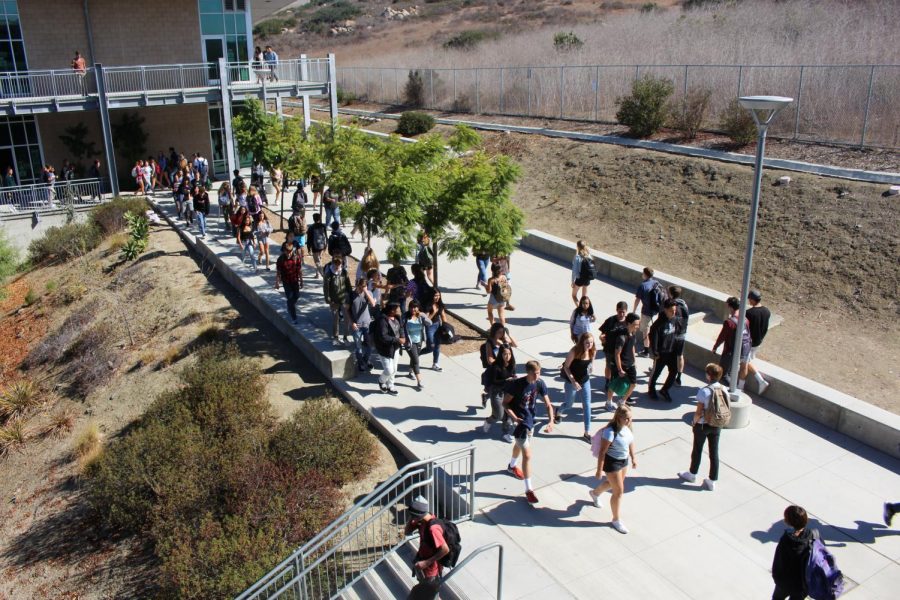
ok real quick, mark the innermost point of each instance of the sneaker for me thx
(665, 395)
(610, 406)
(557, 417)
(510, 307)
(436, 367)
(688, 476)
(382, 387)
(888, 514)
(418, 387)
(392, 391)
(348, 340)
(595, 499)
(652, 394)
(763, 387)
(709, 484)
(411, 375)
(508, 438)
(631, 402)
(516, 472)
(586, 438)
(337, 341)
(486, 426)
(484, 399)
(678, 379)
(529, 495)
(619, 526)
(644, 354)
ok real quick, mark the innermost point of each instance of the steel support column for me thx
(332, 91)
(304, 76)
(224, 83)
(106, 126)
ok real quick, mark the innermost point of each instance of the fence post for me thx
(740, 79)
(397, 86)
(381, 71)
(684, 94)
(455, 103)
(862, 141)
(431, 81)
(528, 110)
(637, 71)
(597, 94)
(562, 90)
(799, 100)
(477, 94)
(501, 90)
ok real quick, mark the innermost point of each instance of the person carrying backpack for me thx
(610, 329)
(583, 271)
(707, 425)
(297, 226)
(317, 241)
(338, 242)
(792, 556)
(439, 544)
(650, 296)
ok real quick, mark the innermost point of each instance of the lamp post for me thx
(763, 109)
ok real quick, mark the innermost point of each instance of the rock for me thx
(570, 163)
(784, 180)
(893, 190)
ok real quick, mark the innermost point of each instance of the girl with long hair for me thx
(576, 371)
(616, 446)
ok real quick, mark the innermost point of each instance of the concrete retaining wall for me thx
(20, 229)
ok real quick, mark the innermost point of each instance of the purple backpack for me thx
(824, 581)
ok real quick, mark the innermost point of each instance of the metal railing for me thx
(54, 83)
(254, 73)
(846, 104)
(43, 197)
(363, 536)
(151, 78)
(475, 553)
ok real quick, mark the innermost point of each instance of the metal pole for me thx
(500, 573)
(740, 79)
(562, 84)
(799, 100)
(304, 76)
(106, 126)
(501, 89)
(381, 71)
(528, 110)
(597, 95)
(748, 261)
(431, 81)
(684, 93)
(454, 90)
(477, 95)
(862, 141)
(230, 154)
(332, 91)
(396, 86)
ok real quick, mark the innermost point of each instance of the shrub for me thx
(414, 123)
(646, 109)
(332, 13)
(9, 258)
(61, 422)
(138, 236)
(688, 115)
(88, 446)
(53, 347)
(19, 399)
(462, 103)
(649, 7)
(271, 27)
(469, 39)
(64, 242)
(345, 97)
(565, 41)
(327, 436)
(738, 124)
(414, 90)
(92, 358)
(13, 436)
(110, 216)
(31, 297)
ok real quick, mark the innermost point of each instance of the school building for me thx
(156, 75)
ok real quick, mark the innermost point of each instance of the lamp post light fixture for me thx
(763, 109)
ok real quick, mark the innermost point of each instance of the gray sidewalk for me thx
(684, 542)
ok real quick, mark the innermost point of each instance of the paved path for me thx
(684, 542)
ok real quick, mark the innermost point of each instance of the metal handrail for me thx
(325, 554)
(475, 553)
(44, 197)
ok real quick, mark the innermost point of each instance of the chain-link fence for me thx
(846, 104)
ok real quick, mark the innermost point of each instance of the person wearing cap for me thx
(758, 317)
(432, 546)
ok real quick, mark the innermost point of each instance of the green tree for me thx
(75, 140)
(130, 138)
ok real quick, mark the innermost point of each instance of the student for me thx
(726, 340)
(683, 314)
(298, 202)
(336, 287)
(368, 262)
(576, 371)
(432, 546)
(581, 319)
(495, 286)
(387, 340)
(649, 299)
(624, 353)
(246, 240)
(225, 198)
(361, 320)
(663, 339)
(792, 555)
(520, 399)
(705, 433)
(263, 231)
(201, 206)
(425, 256)
(414, 325)
(498, 374)
(332, 211)
(297, 226)
(317, 241)
(758, 319)
(610, 329)
(616, 446)
(437, 313)
(289, 271)
(338, 242)
(581, 271)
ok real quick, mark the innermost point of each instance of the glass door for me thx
(213, 50)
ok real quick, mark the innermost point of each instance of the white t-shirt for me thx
(620, 442)
(704, 395)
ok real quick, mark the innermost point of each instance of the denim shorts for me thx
(611, 465)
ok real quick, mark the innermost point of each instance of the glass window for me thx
(18, 49)
(215, 117)
(15, 31)
(210, 6)
(5, 140)
(11, 8)
(212, 24)
(31, 131)
(18, 133)
(242, 49)
(229, 4)
(6, 57)
(241, 5)
(241, 24)
(229, 24)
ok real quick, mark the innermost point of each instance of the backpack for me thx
(597, 439)
(344, 245)
(588, 269)
(297, 224)
(447, 334)
(658, 296)
(718, 413)
(824, 581)
(502, 291)
(396, 276)
(318, 239)
(451, 538)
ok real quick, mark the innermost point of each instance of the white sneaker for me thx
(595, 498)
(619, 526)
(486, 426)
(610, 406)
(763, 387)
(508, 438)
(688, 476)
(709, 484)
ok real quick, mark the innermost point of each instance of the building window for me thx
(20, 148)
(226, 21)
(12, 48)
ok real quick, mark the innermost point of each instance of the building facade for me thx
(43, 35)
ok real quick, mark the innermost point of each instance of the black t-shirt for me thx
(626, 343)
(525, 396)
(758, 316)
(608, 328)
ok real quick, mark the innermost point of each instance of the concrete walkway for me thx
(684, 542)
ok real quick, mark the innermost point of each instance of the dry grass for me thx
(88, 446)
(19, 400)
(117, 240)
(171, 356)
(13, 436)
(61, 422)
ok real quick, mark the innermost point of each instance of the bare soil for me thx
(825, 258)
(50, 543)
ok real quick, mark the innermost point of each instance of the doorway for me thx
(213, 50)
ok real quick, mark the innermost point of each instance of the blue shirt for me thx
(645, 294)
(620, 442)
(525, 395)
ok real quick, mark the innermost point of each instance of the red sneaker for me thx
(516, 471)
(529, 495)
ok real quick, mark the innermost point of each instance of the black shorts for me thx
(611, 465)
(582, 281)
(630, 373)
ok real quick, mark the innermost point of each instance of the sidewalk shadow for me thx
(436, 434)
(834, 536)
(518, 513)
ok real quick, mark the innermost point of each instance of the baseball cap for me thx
(418, 508)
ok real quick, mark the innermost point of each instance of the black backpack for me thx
(344, 245)
(452, 539)
(318, 240)
(658, 296)
(588, 269)
(396, 276)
